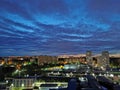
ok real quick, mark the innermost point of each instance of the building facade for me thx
(89, 58)
(46, 59)
(22, 83)
(103, 60)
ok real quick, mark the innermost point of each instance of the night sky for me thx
(57, 27)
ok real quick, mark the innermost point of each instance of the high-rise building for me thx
(89, 57)
(105, 57)
(103, 60)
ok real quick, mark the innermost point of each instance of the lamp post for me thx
(19, 72)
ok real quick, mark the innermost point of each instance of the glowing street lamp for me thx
(22, 85)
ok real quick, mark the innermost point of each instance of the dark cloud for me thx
(105, 6)
(15, 8)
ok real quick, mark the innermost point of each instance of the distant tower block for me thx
(105, 58)
(89, 58)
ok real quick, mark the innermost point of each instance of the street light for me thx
(22, 85)
(19, 72)
(6, 81)
(111, 75)
(12, 85)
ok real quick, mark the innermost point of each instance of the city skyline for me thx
(58, 27)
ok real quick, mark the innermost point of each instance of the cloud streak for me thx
(35, 27)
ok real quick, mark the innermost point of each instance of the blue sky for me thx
(55, 27)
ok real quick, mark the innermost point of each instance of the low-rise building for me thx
(22, 83)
